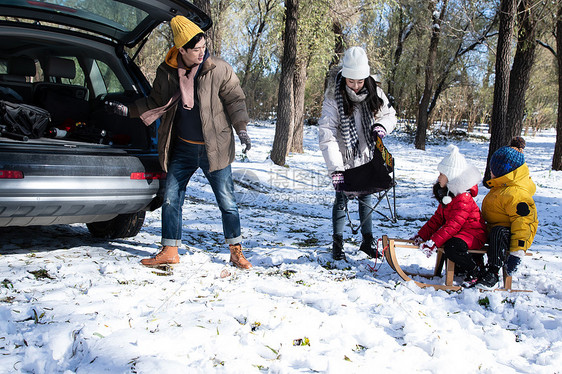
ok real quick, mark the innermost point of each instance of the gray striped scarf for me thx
(347, 123)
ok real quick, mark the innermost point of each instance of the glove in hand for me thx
(116, 107)
(245, 140)
(379, 131)
(417, 239)
(428, 248)
(337, 180)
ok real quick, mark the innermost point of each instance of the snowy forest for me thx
(452, 63)
(458, 72)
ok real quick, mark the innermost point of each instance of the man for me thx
(199, 101)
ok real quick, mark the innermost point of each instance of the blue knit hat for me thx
(505, 160)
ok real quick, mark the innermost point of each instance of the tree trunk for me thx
(404, 31)
(299, 91)
(338, 49)
(205, 6)
(421, 130)
(499, 132)
(557, 158)
(285, 115)
(522, 64)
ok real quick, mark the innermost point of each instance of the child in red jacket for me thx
(457, 224)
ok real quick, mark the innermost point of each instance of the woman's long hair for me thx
(373, 100)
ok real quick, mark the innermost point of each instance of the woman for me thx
(354, 113)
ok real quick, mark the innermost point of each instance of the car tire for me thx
(122, 226)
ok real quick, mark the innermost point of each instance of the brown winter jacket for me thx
(222, 106)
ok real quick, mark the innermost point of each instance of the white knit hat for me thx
(355, 64)
(452, 165)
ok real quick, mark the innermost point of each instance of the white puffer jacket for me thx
(330, 139)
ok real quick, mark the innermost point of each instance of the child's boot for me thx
(472, 277)
(489, 279)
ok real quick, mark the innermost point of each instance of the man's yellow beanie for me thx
(183, 30)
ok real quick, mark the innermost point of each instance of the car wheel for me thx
(122, 226)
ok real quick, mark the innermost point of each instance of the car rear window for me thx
(115, 14)
(110, 80)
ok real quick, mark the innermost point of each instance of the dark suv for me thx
(89, 166)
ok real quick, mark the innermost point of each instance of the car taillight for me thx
(11, 174)
(148, 176)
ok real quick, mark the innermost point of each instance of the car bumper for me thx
(47, 200)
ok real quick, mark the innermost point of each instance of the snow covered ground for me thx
(70, 303)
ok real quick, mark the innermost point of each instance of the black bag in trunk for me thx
(24, 119)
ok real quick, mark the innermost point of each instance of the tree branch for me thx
(547, 46)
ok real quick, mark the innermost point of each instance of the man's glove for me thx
(512, 263)
(245, 140)
(417, 239)
(379, 131)
(116, 107)
(337, 180)
(428, 248)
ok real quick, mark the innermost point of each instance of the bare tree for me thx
(422, 120)
(460, 51)
(500, 133)
(285, 115)
(404, 30)
(557, 158)
(255, 32)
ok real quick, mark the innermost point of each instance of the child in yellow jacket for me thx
(509, 211)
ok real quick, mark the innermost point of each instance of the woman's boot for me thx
(369, 246)
(337, 248)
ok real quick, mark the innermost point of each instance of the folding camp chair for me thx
(375, 177)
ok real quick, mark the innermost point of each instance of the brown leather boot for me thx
(168, 255)
(237, 257)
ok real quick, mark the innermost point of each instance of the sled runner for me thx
(375, 177)
(389, 250)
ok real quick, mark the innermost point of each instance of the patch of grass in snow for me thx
(276, 352)
(359, 348)
(485, 302)
(508, 301)
(255, 326)
(6, 283)
(41, 274)
(331, 266)
(297, 231)
(309, 242)
(301, 342)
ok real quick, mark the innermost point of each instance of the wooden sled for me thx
(390, 246)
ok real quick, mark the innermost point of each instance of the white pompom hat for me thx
(452, 165)
(355, 64)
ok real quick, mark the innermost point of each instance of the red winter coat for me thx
(460, 218)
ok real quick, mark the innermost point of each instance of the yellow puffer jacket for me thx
(510, 204)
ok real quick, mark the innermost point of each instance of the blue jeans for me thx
(185, 159)
(365, 213)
